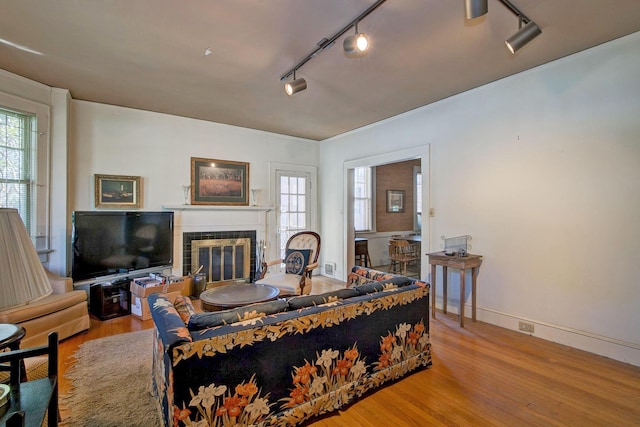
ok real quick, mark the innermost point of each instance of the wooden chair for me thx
(401, 254)
(362, 252)
(294, 284)
(30, 401)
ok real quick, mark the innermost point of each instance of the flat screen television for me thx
(113, 242)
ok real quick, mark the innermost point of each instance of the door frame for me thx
(420, 152)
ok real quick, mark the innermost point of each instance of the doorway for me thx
(418, 203)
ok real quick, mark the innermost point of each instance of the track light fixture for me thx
(475, 8)
(525, 34)
(360, 45)
(295, 85)
(356, 45)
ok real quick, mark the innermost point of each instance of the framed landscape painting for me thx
(219, 182)
(118, 192)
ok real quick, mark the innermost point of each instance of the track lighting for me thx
(525, 34)
(295, 85)
(356, 45)
(522, 37)
(475, 8)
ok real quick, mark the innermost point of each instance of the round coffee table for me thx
(236, 295)
(10, 336)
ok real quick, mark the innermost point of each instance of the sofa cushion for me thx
(392, 283)
(311, 300)
(296, 260)
(216, 318)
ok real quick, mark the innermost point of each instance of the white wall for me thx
(542, 169)
(158, 147)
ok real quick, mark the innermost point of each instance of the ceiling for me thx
(149, 54)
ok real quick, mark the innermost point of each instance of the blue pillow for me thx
(296, 260)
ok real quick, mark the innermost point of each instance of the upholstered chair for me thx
(301, 258)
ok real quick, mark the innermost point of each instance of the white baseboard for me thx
(622, 351)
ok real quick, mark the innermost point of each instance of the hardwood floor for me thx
(481, 375)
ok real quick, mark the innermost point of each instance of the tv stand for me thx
(110, 299)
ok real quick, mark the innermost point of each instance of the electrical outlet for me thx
(526, 327)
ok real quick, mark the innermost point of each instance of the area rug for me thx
(112, 383)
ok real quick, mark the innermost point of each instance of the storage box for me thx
(140, 305)
(145, 286)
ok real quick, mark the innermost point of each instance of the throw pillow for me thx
(296, 260)
(354, 279)
(184, 308)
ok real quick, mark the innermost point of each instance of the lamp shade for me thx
(22, 276)
(523, 36)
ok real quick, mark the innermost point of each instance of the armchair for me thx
(291, 283)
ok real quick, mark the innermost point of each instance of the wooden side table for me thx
(462, 263)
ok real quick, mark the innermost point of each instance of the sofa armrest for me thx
(59, 284)
(169, 324)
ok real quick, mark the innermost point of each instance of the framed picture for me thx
(219, 182)
(395, 200)
(118, 191)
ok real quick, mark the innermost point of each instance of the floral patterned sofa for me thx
(285, 361)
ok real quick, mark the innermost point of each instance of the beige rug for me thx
(112, 383)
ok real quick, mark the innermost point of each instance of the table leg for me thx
(463, 273)
(433, 291)
(474, 276)
(444, 289)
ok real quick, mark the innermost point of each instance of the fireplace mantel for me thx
(216, 208)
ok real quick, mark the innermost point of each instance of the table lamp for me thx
(22, 276)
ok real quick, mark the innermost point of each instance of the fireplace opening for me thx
(224, 255)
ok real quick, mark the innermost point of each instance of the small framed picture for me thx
(118, 192)
(395, 200)
(219, 182)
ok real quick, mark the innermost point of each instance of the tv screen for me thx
(108, 243)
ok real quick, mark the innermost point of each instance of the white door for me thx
(293, 191)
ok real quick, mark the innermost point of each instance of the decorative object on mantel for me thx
(254, 196)
(458, 246)
(219, 182)
(118, 191)
(185, 189)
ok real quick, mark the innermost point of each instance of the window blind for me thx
(17, 163)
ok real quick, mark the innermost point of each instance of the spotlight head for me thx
(475, 8)
(522, 37)
(356, 45)
(295, 86)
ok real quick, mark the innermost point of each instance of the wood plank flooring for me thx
(481, 375)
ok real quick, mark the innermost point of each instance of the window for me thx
(18, 164)
(293, 203)
(418, 199)
(362, 199)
